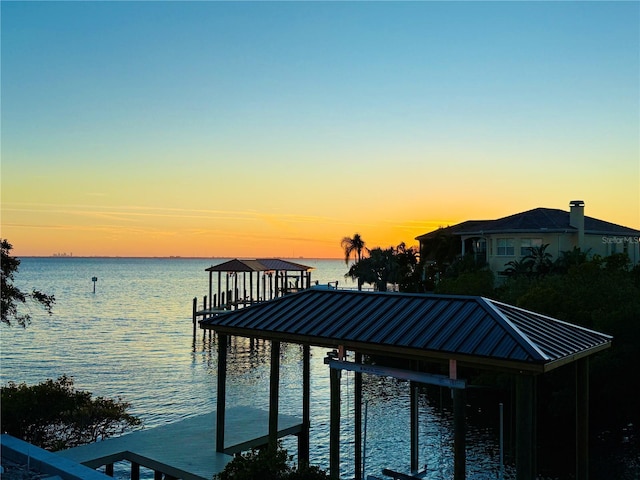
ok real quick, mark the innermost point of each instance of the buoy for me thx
(94, 280)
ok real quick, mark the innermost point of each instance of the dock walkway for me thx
(185, 449)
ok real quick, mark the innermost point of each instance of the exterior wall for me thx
(498, 249)
(610, 244)
(497, 259)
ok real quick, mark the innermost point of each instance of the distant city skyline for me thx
(275, 129)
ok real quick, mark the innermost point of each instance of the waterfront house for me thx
(511, 238)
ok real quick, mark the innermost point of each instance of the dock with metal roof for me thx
(454, 331)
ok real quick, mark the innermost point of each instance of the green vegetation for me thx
(268, 464)
(54, 415)
(12, 297)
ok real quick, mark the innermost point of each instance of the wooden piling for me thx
(195, 315)
(357, 411)
(222, 388)
(334, 423)
(274, 393)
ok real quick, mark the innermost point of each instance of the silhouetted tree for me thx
(12, 296)
(352, 245)
(393, 265)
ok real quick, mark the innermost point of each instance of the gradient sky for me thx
(277, 128)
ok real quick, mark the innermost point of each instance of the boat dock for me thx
(185, 449)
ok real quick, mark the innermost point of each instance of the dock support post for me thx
(459, 429)
(582, 419)
(414, 426)
(211, 288)
(357, 410)
(108, 469)
(222, 387)
(195, 309)
(135, 471)
(525, 428)
(274, 393)
(334, 423)
(303, 439)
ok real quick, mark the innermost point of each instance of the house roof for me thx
(473, 330)
(259, 265)
(452, 229)
(537, 220)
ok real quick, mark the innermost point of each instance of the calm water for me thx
(133, 339)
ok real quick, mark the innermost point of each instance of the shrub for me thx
(54, 415)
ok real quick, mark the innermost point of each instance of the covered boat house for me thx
(251, 281)
(421, 331)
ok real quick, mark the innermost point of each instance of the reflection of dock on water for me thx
(241, 283)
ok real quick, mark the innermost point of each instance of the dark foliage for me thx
(12, 297)
(54, 415)
(268, 464)
(393, 265)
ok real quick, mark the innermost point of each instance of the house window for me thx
(526, 244)
(505, 246)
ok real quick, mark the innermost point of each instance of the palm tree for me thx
(540, 259)
(353, 245)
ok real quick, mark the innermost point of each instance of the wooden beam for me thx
(274, 393)
(221, 394)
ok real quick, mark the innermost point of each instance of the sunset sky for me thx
(242, 129)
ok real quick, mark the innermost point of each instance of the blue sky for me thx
(303, 122)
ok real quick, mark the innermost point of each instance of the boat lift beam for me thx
(336, 362)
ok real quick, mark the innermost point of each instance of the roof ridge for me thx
(529, 345)
(556, 320)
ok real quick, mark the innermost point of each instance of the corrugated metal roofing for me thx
(472, 329)
(259, 265)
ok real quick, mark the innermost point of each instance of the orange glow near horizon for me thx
(136, 232)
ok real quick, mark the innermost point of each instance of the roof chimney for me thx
(576, 219)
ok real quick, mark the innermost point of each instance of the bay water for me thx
(133, 338)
